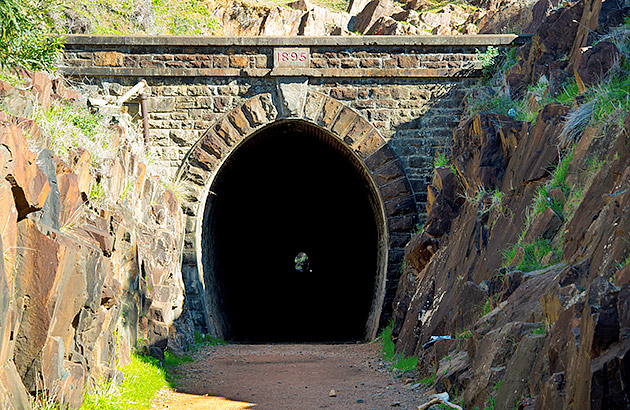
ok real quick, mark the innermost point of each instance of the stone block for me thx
(395, 189)
(239, 121)
(239, 61)
(261, 61)
(220, 61)
(349, 63)
(204, 102)
(403, 223)
(405, 205)
(214, 145)
(368, 145)
(160, 104)
(408, 61)
(108, 58)
(343, 121)
(202, 159)
(292, 93)
(388, 173)
(260, 110)
(390, 63)
(226, 131)
(222, 103)
(357, 130)
(329, 112)
(319, 62)
(382, 156)
(344, 93)
(370, 62)
(398, 239)
(313, 105)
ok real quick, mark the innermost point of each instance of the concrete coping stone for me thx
(479, 40)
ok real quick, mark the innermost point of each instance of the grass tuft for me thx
(531, 254)
(66, 126)
(398, 361)
(144, 377)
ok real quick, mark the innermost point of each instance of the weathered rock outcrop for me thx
(362, 17)
(81, 283)
(548, 335)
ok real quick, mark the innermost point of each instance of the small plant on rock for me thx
(488, 60)
(441, 161)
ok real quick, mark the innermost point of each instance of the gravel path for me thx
(295, 377)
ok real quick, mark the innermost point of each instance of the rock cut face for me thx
(286, 191)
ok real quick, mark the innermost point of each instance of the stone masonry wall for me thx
(409, 88)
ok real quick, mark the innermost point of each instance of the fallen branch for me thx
(437, 400)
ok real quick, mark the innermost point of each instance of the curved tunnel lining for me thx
(289, 188)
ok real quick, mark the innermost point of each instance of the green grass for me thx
(607, 101)
(569, 92)
(144, 377)
(201, 340)
(542, 200)
(488, 60)
(427, 381)
(464, 335)
(441, 161)
(488, 306)
(533, 253)
(539, 330)
(172, 360)
(193, 17)
(45, 401)
(66, 126)
(389, 348)
(398, 361)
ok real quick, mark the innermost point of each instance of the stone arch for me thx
(395, 202)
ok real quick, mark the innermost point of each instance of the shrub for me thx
(28, 38)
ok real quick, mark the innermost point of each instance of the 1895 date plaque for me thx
(291, 57)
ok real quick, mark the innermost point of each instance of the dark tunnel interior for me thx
(290, 189)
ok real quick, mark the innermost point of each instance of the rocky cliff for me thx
(84, 276)
(303, 17)
(524, 258)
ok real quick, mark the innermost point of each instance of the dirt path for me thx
(292, 377)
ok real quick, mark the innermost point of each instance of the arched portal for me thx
(292, 188)
(274, 178)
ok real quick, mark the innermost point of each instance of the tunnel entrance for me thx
(290, 191)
